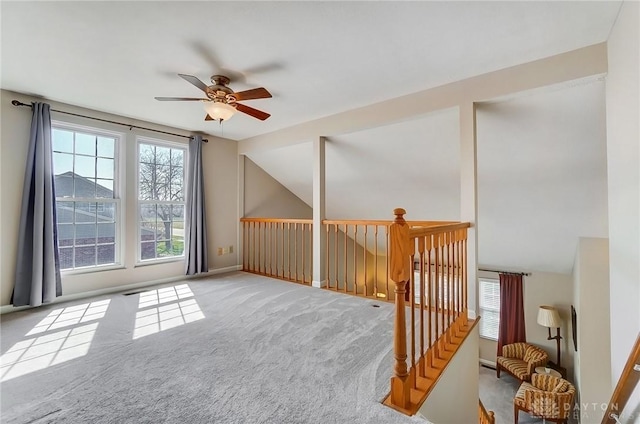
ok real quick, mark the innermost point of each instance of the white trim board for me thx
(5, 309)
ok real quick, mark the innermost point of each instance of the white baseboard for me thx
(488, 363)
(319, 284)
(127, 287)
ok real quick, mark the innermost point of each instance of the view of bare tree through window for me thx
(161, 199)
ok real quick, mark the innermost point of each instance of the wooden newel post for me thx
(400, 269)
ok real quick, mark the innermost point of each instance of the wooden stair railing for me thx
(278, 248)
(434, 340)
(626, 384)
(484, 416)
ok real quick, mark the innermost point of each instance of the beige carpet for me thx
(235, 348)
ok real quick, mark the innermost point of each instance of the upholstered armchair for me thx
(520, 360)
(546, 397)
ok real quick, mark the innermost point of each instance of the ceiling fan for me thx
(222, 102)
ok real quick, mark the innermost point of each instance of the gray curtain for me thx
(196, 226)
(38, 267)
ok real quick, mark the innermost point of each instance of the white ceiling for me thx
(541, 157)
(317, 58)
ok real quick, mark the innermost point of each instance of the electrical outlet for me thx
(231, 249)
(219, 251)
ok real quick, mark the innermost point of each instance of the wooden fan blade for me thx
(252, 112)
(208, 118)
(255, 93)
(178, 99)
(195, 81)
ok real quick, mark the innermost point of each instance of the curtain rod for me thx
(505, 272)
(18, 103)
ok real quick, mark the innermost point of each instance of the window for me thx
(87, 203)
(489, 308)
(161, 200)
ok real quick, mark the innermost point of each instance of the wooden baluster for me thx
(365, 260)
(388, 266)
(459, 275)
(253, 246)
(355, 259)
(310, 253)
(289, 250)
(346, 230)
(375, 263)
(436, 239)
(328, 257)
(270, 254)
(283, 257)
(412, 294)
(422, 300)
(244, 246)
(295, 250)
(466, 275)
(428, 248)
(400, 274)
(335, 253)
(450, 278)
(262, 249)
(304, 278)
(442, 284)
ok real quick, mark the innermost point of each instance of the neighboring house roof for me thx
(84, 187)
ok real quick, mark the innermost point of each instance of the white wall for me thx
(220, 172)
(592, 364)
(454, 399)
(542, 177)
(542, 288)
(264, 197)
(623, 153)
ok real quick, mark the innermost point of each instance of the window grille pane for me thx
(62, 141)
(106, 254)
(105, 168)
(85, 212)
(106, 147)
(85, 144)
(147, 250)
(66, 257)
(106, 233)
(163, 155)
(85, 234)
(106, 212)
(104, 189)
(85, 166)
(85, 256)
(65, 234)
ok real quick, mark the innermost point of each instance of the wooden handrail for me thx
(384, 222)
(415, 232)
(484, 416)
(278, 220)
(626, 384)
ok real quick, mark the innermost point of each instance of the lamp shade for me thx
(220, 111)
(548, 317)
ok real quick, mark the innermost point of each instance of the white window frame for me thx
(172, 145)
(118, 178)
(482, 308)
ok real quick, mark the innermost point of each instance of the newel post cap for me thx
(399, 213)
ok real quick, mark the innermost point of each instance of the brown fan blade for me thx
(178, 99)
(255, 93)
(195, 81)
(208, 118)
(252, 112)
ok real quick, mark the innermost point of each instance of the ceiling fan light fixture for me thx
(219, 111)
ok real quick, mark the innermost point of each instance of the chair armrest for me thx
(539, 362)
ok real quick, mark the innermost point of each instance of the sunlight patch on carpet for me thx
(164, 317)
(39, 353)
(164, 295)
(71, 315)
